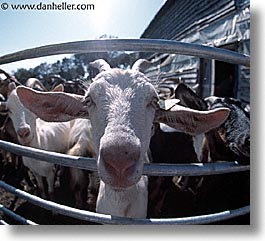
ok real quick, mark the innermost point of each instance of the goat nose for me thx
(120, 158)
(23, 132)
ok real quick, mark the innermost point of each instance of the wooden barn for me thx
(218, 23)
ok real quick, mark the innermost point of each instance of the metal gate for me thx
(195, 169)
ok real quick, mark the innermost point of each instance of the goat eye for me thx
(154, 103)
(88, 101)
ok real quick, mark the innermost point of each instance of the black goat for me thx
(230, 141)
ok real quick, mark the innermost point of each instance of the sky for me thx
(23, 29)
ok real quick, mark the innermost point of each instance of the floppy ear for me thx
(53, 106)
(191, 121)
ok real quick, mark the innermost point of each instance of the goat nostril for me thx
(120, 168)
(23, 132)
(26, 134)
(130, 168)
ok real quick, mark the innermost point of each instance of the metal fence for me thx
(193, 169)
(108, 219)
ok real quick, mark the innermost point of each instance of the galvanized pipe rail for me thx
(2, 222)
(109, 219)
(15, 216)
(150, 169)
(136, 45)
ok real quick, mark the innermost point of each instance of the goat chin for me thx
(131, 202)
(26, 141)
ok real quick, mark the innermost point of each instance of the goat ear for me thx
(53, 106)
(189, 98)
(191, 121)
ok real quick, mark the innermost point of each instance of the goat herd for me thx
(123, 123)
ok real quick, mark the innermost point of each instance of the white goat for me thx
(72, 137)
(80, 144)
(122, 106)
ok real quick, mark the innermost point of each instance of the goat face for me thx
(236, 128)
(22, 118)
(121, 106)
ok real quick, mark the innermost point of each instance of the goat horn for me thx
(100, 64)
(141, 65)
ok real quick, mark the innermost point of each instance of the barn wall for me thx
(214, 23)
(177, 18)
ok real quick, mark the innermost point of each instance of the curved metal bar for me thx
(16, 216)
(141, 45)
(51, 157)
(2, 222)
(109, 219)
(192, 169)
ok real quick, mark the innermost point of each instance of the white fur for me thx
(131, 202)
(197, 143)
(127, 95)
